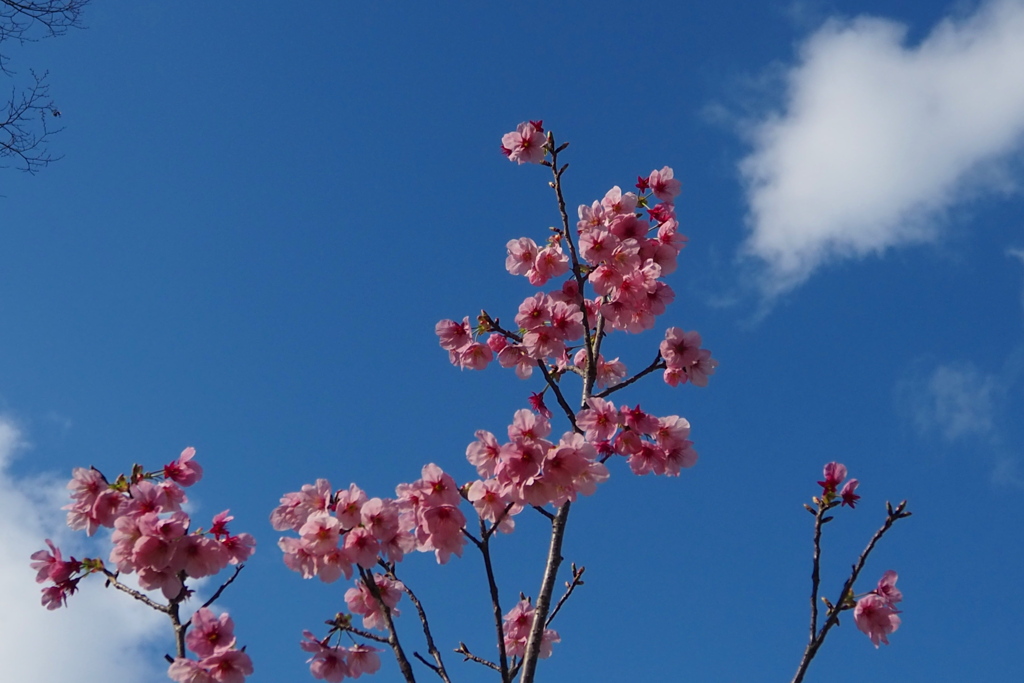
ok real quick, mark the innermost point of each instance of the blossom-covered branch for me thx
(875, 612)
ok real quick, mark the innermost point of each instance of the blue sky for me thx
(260, 215)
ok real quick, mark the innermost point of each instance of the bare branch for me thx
(470, 657)
(24, 128)
(577, 580)
(141, 597)
(656, 364)
(439, 669)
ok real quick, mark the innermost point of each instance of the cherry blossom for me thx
(876, 617)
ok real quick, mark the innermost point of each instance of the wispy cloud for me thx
(1019, 255)
(101, 636)
(955, 402)
(877, 139)
(962, 405)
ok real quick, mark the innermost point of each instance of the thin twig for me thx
(569, 413)
(362, 633)
(657, 364)
(577, 580)
(470, 657)
(492, 584)
(439, 669)
(141, 597)
(224, 585)
(816, 565)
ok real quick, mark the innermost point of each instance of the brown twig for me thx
(141, 597)
(577, 580)
(492, 584)
(223, 586)
(403, 662)
(470, 657)
(431, 648)
(656, 364)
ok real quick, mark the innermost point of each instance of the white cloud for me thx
(877, 139)
(101, 636)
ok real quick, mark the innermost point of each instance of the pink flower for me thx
(476, 356)
(362, 547)
(834, 475)
(483, 453)
(220, 524)
(616, 203)
(664, 186)
(295, 507)
(551, 262)
(297, 557)
(490, 503)
(239, 548)
(516, 627)
(887, 588)
(201, 556)
(522, 253)
(96, 504)
(320, 533)
(454, 336)
(55, 597)
(680, 349)
(363, 659)
(704, 367)
(444, 524)
(188, 671)
(183, 471)
(876, 618)
(349, 506)
(361, 601)
(537, 403)
(210, 634)
(327, 663)
(849, 497)
(228, 666)
(525, 144)
(44, 563)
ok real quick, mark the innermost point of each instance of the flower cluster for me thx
(651, 444)
(529, 469)
(154, 539)
(65, 575)
(516, 629)
(835, 473)
(344, 528)
(876, 613)
(152, 534)
(212, 640)
(626, 253)
(685, 360)
(337, 663)
(626, 244)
